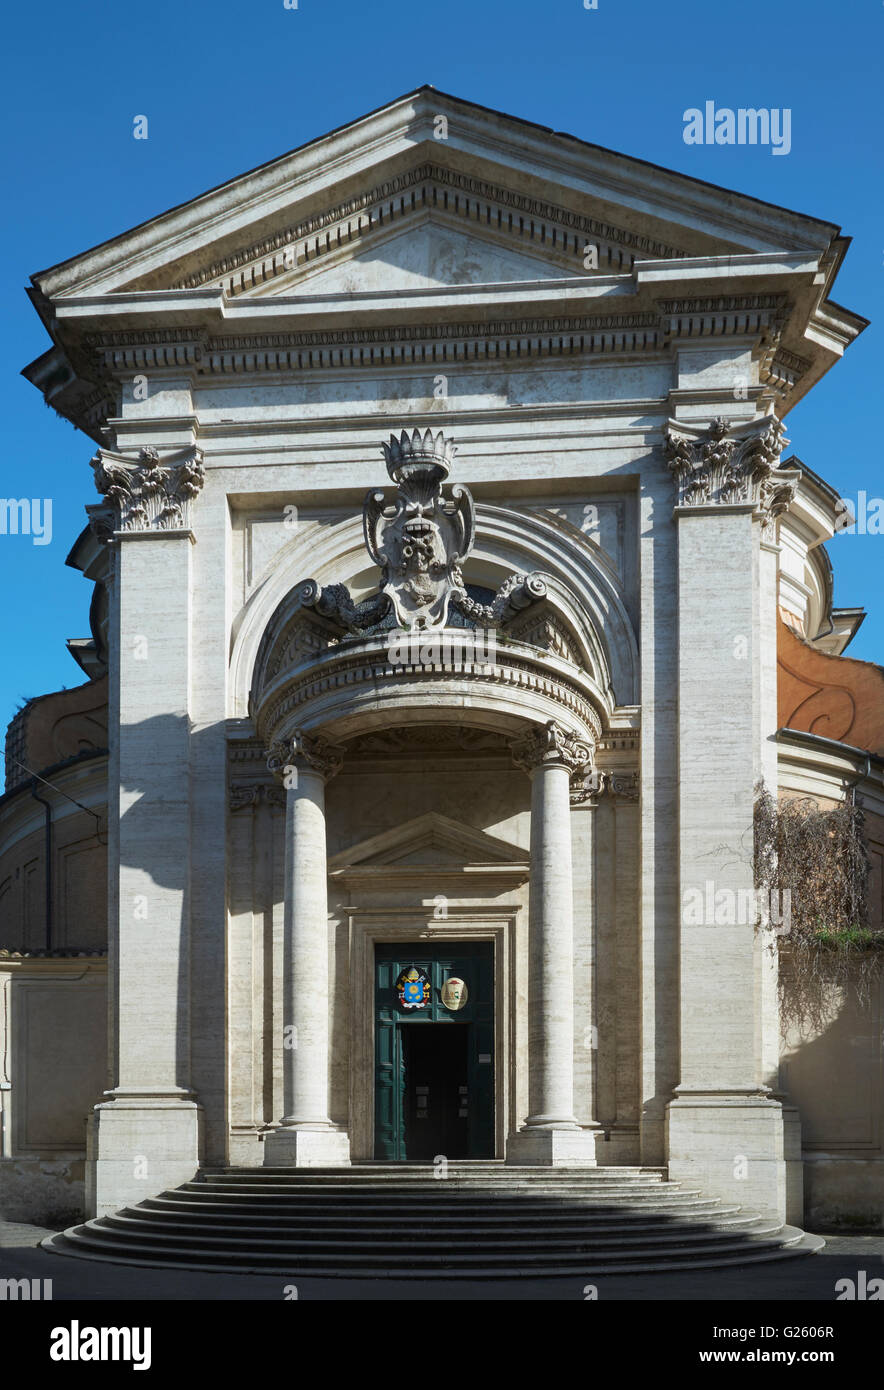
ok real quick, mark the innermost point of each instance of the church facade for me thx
(447, 618)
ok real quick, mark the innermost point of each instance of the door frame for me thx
(391, 925)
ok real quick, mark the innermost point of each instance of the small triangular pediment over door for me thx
(431, 841)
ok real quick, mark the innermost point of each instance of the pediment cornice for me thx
(454, 840)
(491, 210)
(224, 280)
(487, 150)
(248, 343)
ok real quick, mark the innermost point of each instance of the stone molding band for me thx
(345, 673)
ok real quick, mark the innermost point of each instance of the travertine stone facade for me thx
(439, 591)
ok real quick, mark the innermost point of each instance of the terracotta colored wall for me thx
(834, 696)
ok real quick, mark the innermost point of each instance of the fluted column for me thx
(306, 1136)
(551, 1133)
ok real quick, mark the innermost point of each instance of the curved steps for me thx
(396, 1220)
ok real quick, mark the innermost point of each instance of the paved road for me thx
(806, 1278)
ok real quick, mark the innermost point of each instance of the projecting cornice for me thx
(204, 333)
(223, 283)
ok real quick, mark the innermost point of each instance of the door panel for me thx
(458, 1070)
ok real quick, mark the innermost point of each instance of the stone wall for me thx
(53, 1068)
(832, 1059)
(833, 1069)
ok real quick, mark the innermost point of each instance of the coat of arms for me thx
(413, 988)
(419, 538)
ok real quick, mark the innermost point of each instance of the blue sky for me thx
(227, 86)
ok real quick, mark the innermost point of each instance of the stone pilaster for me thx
(725, 1127)
(306, 1136)
(551, 1133)
(145, 1135)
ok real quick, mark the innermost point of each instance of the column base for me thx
(307, 1148)
(743, 1148)
(555, 1148)
(137, 1148)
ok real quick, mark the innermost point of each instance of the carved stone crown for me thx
(408, 458)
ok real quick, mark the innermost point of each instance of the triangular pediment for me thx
(423, 253)
(431, 840)
(548, 194)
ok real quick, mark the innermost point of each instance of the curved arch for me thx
(581, 583)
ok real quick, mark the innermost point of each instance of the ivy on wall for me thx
(815, 860)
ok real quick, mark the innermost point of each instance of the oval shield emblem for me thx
(454, 993)
(413, 988)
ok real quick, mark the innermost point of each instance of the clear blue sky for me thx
(227, 86)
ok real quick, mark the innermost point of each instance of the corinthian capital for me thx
(729, 462)
(303, 751)
(147, 494)
(551, 746)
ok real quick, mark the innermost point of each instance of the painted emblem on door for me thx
(454, 993)
(413, 988)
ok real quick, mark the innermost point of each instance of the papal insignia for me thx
(413, 988)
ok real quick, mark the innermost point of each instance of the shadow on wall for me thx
(832, 1069)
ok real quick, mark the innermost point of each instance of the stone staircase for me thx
(484, 1220)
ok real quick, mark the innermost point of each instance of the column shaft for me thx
(305, 1137)
(305, 955)
(551, 911)
(551, 1134)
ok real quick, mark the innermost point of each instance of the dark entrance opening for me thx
(436, 1091)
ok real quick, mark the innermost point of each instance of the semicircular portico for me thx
(445, 678)
(584, 600)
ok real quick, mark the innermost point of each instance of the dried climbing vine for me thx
(818, 857)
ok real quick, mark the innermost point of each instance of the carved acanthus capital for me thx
(249, 795)
(728, 462)
(148, 494)
(303, 751)
(599, 782)
(551, 746)
(775, 498)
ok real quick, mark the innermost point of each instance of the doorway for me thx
(436, 1109)
(434, 1050)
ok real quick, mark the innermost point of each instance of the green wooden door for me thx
(437, 1088)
